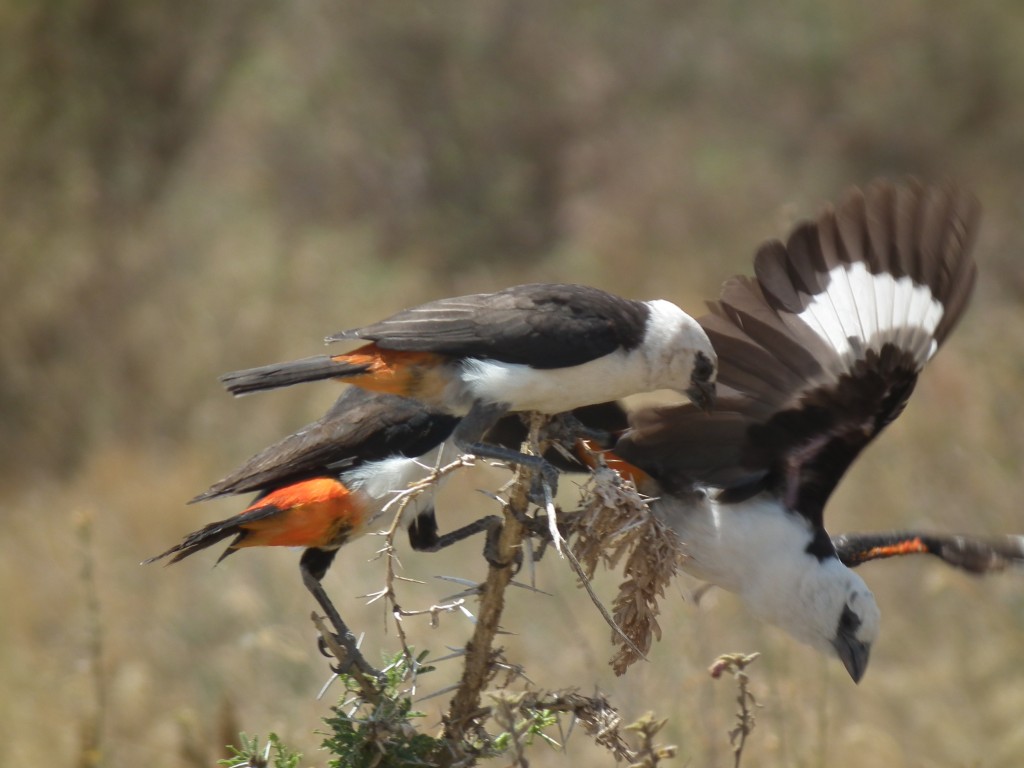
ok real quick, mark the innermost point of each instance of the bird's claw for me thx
(543, 485)
(341, 666)
(492, 548)
(566, 428)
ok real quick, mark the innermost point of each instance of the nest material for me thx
(616, 525)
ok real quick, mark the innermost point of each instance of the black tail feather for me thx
(277, 375)
(201, 539)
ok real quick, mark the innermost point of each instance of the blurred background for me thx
(189, 187)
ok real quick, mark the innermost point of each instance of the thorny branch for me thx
(401, 501)
(597, 717)
(479, 668)
(614, 524)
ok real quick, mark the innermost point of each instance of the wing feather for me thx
(543, 325)
(361, 426)
(823, 349)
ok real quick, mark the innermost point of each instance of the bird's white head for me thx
(679, 354)
(825, 605)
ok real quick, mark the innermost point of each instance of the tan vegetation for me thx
(191, 188)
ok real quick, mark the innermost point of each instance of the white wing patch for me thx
(855, 306)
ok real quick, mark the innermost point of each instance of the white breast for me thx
(758, 551)
(663, 361)
(555, 390)
(735, 546)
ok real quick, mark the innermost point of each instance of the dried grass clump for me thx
(614, 524)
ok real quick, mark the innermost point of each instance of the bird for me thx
(978, 555)
(367, 442)
(333, 481)
(353, 459)
(817, 354)
(544, 348)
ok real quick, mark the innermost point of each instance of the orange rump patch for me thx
(908, 547)
(314, 513)
(587, 452)
(420, 375)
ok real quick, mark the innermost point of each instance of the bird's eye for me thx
(703, 368)
(849, 622)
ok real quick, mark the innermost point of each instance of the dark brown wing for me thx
(822, 350)
(544, 325)
(360, 426)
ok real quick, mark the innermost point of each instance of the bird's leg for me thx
(468, 436)
(313, 565)
(566, 428)
(423, 533)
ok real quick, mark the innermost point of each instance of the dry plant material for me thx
(650, 754)
(598, 717)
(614, 525)
(91, 752)
(737, 663)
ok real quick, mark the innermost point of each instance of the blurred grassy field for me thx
(190, 188)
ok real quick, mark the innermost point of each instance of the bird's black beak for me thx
(702, 394)
(853, 653)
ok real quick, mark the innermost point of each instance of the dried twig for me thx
(595, 713)
(618, 631)
(650, 754)
(479, 668)
(93, 727)
(745, 719)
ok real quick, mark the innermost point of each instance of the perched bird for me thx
(817, 354)
(333, 476)
(333, 481)
(547, 348)
(329, 482)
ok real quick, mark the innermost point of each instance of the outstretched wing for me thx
(973, 554)
(361, 426)
(544, 325)
(822, 349)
